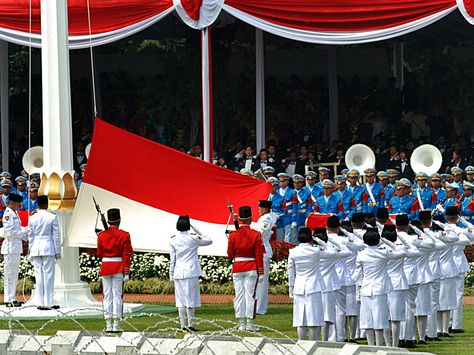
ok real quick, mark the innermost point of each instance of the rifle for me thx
(102, 217)
(231, 210)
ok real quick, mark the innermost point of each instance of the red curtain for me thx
(340, 15)
(106, 15)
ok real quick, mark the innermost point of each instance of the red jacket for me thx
(114, 243)
(247, 243)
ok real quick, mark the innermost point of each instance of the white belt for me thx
(243, 258)
(42, 237)
(112, 259)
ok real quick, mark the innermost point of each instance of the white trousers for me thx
(112, 286)
(262, 288)
(432, 318)
(289, 234)
(341, 309)
(457, 312)
(44, 276)
(245, 284)
(10, 277)
(408, 331)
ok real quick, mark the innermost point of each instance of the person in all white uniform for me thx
(44, 247)
(452, 217)
(265, 225)
(332, 282)
(185, 270)
(375, 284)
(305, 285)
(414, 277)
(12, 248)
(345, 269)
(396, 298)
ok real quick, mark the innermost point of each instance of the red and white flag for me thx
(152, 185)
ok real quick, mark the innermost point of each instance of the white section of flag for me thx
(150, 228)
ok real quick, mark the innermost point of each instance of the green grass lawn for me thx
(219, 319)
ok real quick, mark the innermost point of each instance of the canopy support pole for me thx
(398, 64)
(206, 70)
(260, 88)
(333, 95)
(69, 291)
(4, 126)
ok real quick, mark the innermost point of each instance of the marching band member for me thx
(114, 247)
(403, 202)
(328, 202)
(427, 199)
(312, 186)
(467, 201)
(245, 248)
(456, 174)
(278, 207)
(185, 270)
(355, 189)
(373, 195)
(437, 188)
(287, 193)
(348, 202)
(301, 204)
(265, 225)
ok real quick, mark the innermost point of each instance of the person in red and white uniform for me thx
(114, 247)
(185, 270)
(245, 248)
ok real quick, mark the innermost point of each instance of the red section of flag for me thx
(23, 217)
(317, 220)
(172, 181)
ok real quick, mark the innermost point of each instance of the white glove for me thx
(260, 279)
(126, 278)
(57, 256)
(293, 224)
(440, 209)
(290, 293)
(291, 296)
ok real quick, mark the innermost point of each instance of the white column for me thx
(4, 126)
(206, 78)
(260, 88)
(57, 141)
(333, 95)
(398, 63)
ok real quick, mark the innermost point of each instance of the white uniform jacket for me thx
(434, 258)
(13, 233)
(372, 265)
(43, 236)
(264, 225)
(446, 258)
(396, 267)
(184, 262)
(345, 268)
(303, 268)
(412, 268)
(327, 267)
(465, 238)
(426, 248)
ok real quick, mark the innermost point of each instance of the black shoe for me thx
(184, 329)
(401, 343)
(422, 342)
(192, 329)
(457, 331)
(446, 335)
(433, 339)
(440, 335)
(40, 308)
(55, 307)
(9, 304)
(410, 344)
(353, 341)
(16, 304)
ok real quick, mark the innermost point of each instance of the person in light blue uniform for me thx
(403, 203)
(425, 195)
(439, 191)
(328, 202)
(445, 178)
(323, 174)
(83, 171)
(373, 195)
(301, 205)
(8, 176)
(288, 193)
(469, 174)
(21, 186)
(382, 177)
(268, 171)
(393, 175)
(31, 204)
(452, 198)
(278, 206)
(4, 195)
(348, 203)
(456, 174)
(355, 189)
(314, 189)
(467, 201)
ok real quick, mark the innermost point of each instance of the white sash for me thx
(419, 198)
(371, 195)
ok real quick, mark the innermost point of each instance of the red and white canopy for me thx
(316, 21)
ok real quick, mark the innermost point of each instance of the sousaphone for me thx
(360, 157)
